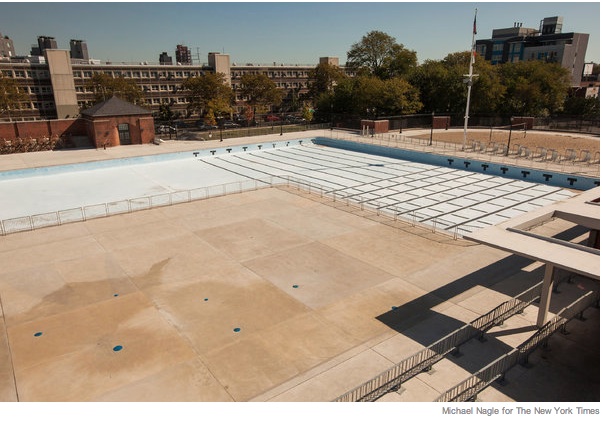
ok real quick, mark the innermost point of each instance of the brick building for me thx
(116, 122)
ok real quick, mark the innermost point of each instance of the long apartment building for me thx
(57, 83)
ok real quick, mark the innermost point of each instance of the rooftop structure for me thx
(7, 47)
(79, 49)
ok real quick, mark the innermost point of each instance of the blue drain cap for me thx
(237, 329)
(117, 348)
(37, 334)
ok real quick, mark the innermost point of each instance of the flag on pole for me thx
(474, 25)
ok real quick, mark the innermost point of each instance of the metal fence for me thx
(569, 160)
(101, 210)
(391, 379)
(392, 213)
(468, 389)
(84, 213)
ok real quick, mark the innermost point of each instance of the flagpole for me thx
(470, 76)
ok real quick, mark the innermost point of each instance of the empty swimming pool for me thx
(457, 199)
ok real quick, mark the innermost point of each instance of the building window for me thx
(124, 134)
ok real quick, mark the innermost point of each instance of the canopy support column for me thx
(546, 294)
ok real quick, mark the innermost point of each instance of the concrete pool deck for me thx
(263, 296)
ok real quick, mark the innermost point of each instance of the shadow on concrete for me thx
(434, 326)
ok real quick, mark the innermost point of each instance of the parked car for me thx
(165, 129)
(230, 125)
(272, 117)
(180, 124)
(294, 119)
(203, 126)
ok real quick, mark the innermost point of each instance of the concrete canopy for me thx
(513, 235)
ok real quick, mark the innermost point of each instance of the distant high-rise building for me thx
(44, 43)
(183, 55)
(7, 48)
(79, 49)
(165, 59)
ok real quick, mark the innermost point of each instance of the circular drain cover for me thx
(117, 348)
(237, 329)
(37, 334)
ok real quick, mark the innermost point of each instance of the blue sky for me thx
(282, 32)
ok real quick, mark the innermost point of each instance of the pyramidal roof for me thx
(114, 107)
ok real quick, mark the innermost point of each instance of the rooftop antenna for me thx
(469, 76)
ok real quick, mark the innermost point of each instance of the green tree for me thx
(399, 97)
(584, 107)
(370, 97)
(104, 87)
(10, 95)
(307, 113)
(431, 78)
(323, 79)
(442, 84)
(165, 114)
(380, 55)
(259, 91)
(534, 88)
(209, 95)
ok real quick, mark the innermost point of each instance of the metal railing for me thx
(468, 389)
(391, 379)
(570, 160)
(101, 210)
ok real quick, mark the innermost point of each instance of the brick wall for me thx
(41, 129)
(104, 132)
(379, 126)
(520, 120)
(442, 122)
(101, 132)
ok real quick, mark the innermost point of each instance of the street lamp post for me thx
(281, 120)
(432, 126)
(221, 129)
(401, 121)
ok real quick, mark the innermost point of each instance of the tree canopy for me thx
(323, 79)
(380, 55)
(209, 95)
(534, 88)
(371, 97)
(259, 91)
(105, 86)
(10, 95)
